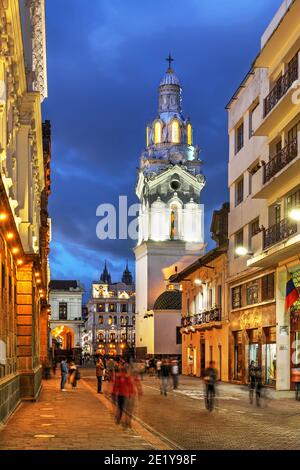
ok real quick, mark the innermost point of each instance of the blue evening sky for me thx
(105, 61)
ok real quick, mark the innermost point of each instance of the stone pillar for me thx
(28, 333)
(44, 334)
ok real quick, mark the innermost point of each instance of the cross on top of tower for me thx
(170, 60)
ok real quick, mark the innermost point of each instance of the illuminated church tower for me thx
(171, 218)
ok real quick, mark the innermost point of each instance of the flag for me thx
(292, 294)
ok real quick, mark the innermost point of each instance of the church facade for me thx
(171, 217)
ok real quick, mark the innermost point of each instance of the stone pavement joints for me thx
(74, 419)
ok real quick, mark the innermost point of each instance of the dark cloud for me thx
(105, 61)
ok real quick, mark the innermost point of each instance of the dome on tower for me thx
(170, 78)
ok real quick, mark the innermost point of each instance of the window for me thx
(239, 239)
(112, 337)
(63, 310)
(252, 117)
(178, 335)
(100, 319)
(122, 320)
(188, 306)
(210, 298)
(292, 134)
(239, 138)
(254, 228)
(219, 295)
(127, 320)
(124, 308)
(175, 132)
(239, 191)
(115, 320)
(111, 307)
(267, 287)
(252, 293)
(110, 320)
(101, 307)
(157, 132)
(189, 134)
(133, 319)
(236, 297)
(293, 200)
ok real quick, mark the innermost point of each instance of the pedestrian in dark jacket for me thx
(164, 377)
(64, 374)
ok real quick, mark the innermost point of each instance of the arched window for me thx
(122, 320)
(175, 132)
(189, 134)
(157, 132)
(127, 320)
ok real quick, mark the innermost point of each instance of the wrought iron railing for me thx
(278, 232)
(208, 316)
(281, 159)
(282, 86)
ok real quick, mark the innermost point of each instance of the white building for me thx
(264, 182)
(65, 298)
(171, 216)
(110, 325)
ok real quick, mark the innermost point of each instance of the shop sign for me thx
(251, 319)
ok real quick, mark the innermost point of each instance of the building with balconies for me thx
(204, 323)
(110, 325)
(264, 182)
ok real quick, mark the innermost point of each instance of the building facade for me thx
(171, 216)
(205, 325)
(65, 298)
(23, 278)
(110, 325)
(264, 182)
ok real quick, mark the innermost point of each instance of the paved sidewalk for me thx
(75, 419)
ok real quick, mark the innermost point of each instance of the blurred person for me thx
(210, 379)
(258, 385)
(64, 373)
(100, 371)
(73, 374)
(135, 391)
(111, 369)
(252, 380)
(122, 392)
(158, 367)
(174, 373)
(164, 377)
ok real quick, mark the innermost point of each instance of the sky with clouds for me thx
(105, 61)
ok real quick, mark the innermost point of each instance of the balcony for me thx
(278, 232)
(203, 319)
(282, 86)
(279, 242)
(282, 159)
(278, 103)
(278, 172)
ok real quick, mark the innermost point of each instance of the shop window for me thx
(270, 355)
(267, 287)
(236, 297)
(252, 293)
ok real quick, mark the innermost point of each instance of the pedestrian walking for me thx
(164, 377)
(210, 379)
(122, 392)
(158, 367)
(100, 371)
(73, 374)
(252, 380)
(174, 373)
(64, 373)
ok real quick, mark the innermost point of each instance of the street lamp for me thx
(294, 214)
(243, 251)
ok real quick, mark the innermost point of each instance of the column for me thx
(282, 333)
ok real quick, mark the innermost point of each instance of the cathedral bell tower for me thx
(171, 217)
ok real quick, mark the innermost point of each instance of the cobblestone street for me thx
(81, 419)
